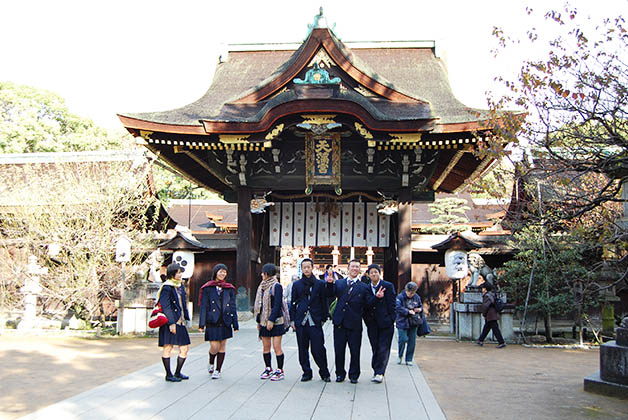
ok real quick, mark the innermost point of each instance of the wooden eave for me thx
(317, 106)
(138, 124)
(322, 37)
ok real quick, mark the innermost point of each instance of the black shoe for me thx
(340, 378)
(173, 379)
(326, 379)
(479, 343)
(501, 346)
(305, 377)
(181, 376)
(354, 381)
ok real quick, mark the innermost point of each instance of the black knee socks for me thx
(267, 360)
(212, 358)
(279, 361)
(221, 359)
(180, 362)
(166, 362)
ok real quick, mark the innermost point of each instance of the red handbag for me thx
(157, 317)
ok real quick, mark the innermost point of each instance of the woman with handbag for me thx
(171, 297)
(409, 310)
(217, 315)
(269, 315)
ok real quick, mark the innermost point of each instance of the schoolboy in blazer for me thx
(308, 311)
(380, 322)
(353, 296)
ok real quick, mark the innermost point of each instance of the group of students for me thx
(354, 300)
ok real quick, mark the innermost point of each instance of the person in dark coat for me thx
(268, 313)
(308, 311)
(380, 322)
(491, 316)
(217, 316)
(172, 299)
(408, 307)
(353, 296)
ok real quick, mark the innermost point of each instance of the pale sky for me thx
(106, 57)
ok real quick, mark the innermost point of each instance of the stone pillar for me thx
(335, 255)
(31, 290)
(369, 255)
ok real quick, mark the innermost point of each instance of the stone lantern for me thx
(466, 317)
(31, 290)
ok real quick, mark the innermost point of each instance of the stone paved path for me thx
(240, 394)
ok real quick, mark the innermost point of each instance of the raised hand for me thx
(380, 292)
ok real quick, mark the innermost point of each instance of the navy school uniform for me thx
(218, 314)
(347, 321)
(275, 312)
(380, 325)
(313, 301)
(172, 309)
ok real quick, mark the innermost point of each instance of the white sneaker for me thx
(373, 378)
(410, 363)
(378, 379)
(267, 373)
(399, 361)
(210, 368)
(277, 375)
(216, 374)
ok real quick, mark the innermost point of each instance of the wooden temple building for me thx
(341, 137)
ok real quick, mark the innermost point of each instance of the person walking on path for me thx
(352, 297)
(217, 316)
(269, 316)
(308, 311)
(172, 299)
(491, 316)
(380, 322)
(408, 307)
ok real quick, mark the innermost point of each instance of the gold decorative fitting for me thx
(363, 131)
(318, 119)
(145, 134)
(320, 57)
(364, 91)
(275, 132)
(405, 137)
(234, 138)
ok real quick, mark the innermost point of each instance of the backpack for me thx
(499, 303)
(285, 313)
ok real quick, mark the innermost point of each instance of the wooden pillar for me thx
(244, 276)
(404, 240)
(391, 254)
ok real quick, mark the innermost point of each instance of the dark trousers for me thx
(312, 337)
(380, 339)
(342, 337)
(491, 325)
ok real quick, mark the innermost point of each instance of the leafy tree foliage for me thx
(559, 269)
(35, 120)
(450, 216)
(576, 101)
(575, 133)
